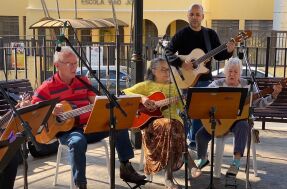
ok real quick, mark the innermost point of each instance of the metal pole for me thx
(138, 67)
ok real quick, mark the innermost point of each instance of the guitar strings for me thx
(75, 112)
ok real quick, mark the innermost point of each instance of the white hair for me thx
(64, 50)
(233, 61)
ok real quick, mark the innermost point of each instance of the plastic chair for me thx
(220, 143)
(62, 147)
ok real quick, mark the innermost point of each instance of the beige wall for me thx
(13, 7)
(243, 9)
(161, 12)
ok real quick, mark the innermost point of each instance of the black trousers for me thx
(7, 177)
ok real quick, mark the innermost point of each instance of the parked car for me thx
(111, 83)
(245, 73)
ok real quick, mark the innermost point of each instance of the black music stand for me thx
(36, 115)
(99, 121)
(215, 103)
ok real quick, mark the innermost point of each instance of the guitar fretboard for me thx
(167, 101)
(5, 118)
(76, 112)
(210, 54)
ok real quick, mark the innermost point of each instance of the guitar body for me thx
(223, 125)
(190, 77)
(54, 127)
(14, 126)
(144, 115)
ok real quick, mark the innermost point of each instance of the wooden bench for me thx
(277, 111)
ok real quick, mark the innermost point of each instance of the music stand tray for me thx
(35, 115)
(100, 117)
(228, 102)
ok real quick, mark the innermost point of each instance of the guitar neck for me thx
(75, 112)
(167, 101)
(5, 118)
(210, 54)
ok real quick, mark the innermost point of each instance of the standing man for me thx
(65, 86)
(195, 36)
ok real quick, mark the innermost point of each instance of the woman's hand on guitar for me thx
(277, 89)
(58, 109)
(149, 104)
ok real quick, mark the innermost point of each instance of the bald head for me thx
(195, 16)
(195, 6)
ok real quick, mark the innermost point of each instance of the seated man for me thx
(240, 129)
(64, 85)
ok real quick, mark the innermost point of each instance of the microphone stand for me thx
(186, 122)
(252, 84)
(26, 134)
(112, 104)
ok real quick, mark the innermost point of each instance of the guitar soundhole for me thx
(194, 64)
(58, 119)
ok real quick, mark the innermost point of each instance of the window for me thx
(9, 26)
(258, 24)
(225, 29)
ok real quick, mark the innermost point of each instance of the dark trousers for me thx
(7, 177)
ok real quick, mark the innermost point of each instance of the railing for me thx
(33, 59)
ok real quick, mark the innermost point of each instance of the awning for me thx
(76, 23)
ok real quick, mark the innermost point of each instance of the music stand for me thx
(215, 103)
(35, 115)
(99, 119)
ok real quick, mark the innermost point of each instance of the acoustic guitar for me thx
(144, 115)
(223, 125)
(4, 119)
(8, 115)
(188, 78)
(62, 122)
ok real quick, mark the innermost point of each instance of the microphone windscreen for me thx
(58, 48)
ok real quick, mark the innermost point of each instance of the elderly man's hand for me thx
(58, 109)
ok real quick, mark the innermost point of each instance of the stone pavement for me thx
(271, 159)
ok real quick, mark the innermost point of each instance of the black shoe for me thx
(82, 186)
(128, 173)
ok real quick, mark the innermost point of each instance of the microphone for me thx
(61, 38)
(241, 51)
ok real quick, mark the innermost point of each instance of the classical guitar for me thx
(188, 78)
(8, 115)
(4, 119)
(62, 122)
(144, 115)
(223, 125)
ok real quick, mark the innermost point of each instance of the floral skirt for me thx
(163, 140)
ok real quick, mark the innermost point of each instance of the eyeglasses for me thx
(163, 70)
(69, 64)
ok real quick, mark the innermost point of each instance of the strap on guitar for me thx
(206, 39)
(88, 85)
